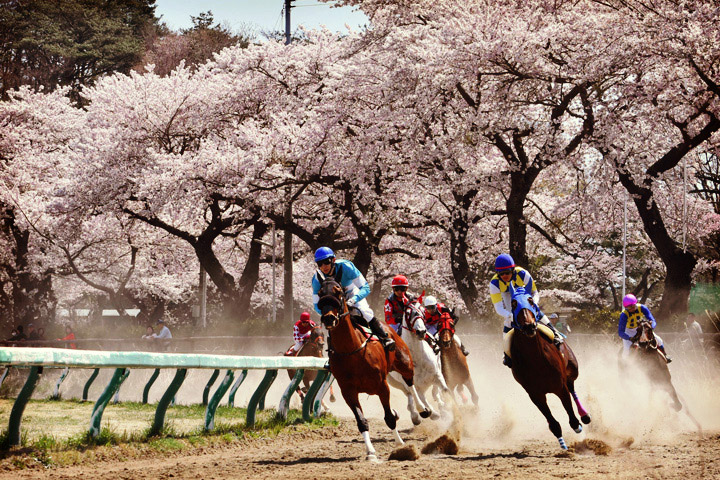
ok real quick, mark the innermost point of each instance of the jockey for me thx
(434, 312)
(301, 332)
(632, 314)
(356, 289)
(507, 273)
(397, 301)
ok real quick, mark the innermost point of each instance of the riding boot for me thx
(507, 361)
(667, 357)
(432, 342)
(464, 350)
(379, 331)
(559, 337)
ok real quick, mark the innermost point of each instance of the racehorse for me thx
(360, 365)
(652, 360)
(454, 364)
(427, 364)
(313, 347)
(541, 367)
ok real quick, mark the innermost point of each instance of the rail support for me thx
(258, 395)
(89, 382)
(146, 390)
(284, 405)
(5, 374)
(96, 418)
(167, 397)
(63, 375)
(215, 400)
(321, 394)
(13, 433)
(210, 382)
(236, 385)
(312, 392)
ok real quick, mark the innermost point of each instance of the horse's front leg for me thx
(351, 398)
(541, 403)
(568, 406)
(393, 381)
(391, 415)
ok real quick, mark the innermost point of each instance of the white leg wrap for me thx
(398, 440)
(368, 443)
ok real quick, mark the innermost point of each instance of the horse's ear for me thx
(420, 298)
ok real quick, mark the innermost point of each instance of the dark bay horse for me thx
(313, 347)
(652, 361)
(541, 367)
(359, 364)
(452, 361)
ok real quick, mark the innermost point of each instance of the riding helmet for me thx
(629, 299)
(504, 262)
(400, 281)
(304, 317)
(323, 253)
(430, 301)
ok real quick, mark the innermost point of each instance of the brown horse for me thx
(454, 364)
(361, 364)
(313, 347)
(653, 362)
(541, 367)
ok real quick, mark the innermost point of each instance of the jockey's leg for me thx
(431, 338)
(661, 347)
(375, 325)
(626, 347)
(458, 342)
(559, 337)
(507, 361)
(295, 348)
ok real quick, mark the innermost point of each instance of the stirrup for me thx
(507, 361)
(464, 350)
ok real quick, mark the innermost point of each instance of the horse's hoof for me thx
(332, 398)
(563, 445)
(416, 420)
(677, 406)
(426, 413)
(578, 429)
(372, 458)
(585, 419)
(434, 415)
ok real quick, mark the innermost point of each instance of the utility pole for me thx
(288, 38)
(288, 293)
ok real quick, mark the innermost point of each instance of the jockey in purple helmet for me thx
(356, 289)
(507, 273)
(631, 316)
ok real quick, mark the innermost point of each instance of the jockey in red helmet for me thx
(396, 302)
(301, 332)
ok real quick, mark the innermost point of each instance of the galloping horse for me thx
(359, 364)
(541, 367)
(312, 348)
(653, 361)
(454, 364)
(427, 365)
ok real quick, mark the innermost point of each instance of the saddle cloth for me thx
(543, 329)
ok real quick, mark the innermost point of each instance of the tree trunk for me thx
(460, 266)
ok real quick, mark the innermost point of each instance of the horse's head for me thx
(644, 336)
(524, 311)
(331, 303)
(317, 336)
(446, 330)
(414, 318)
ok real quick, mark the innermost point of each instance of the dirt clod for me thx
(443, 444)
(404, 453)
(590, 445)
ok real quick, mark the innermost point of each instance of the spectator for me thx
(694, 331)
(32, 335)
(17, 335)
(149, 333)
(69, 335)
(41, 333)
(164, 336)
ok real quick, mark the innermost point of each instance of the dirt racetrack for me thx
(634, 433)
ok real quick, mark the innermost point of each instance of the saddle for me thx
(542, 329)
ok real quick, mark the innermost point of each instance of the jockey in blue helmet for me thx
(506, 274)
(356, 289)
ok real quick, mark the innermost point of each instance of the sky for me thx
(259, 15)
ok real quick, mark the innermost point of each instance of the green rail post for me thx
(238, 382)
(13, 433)
(89, 382)
(5, 374)
(167, 397)
(96, 418)
(210, 382)
(321, 394)
(285, 399)
(146, 390)
(63, 375)
(215, 400)
(259, 393)
(312, 391)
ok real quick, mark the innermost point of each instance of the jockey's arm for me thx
(316, 290)
(621, 327)
(497, 301)
(388, 312)
(646, 312)
(359, 282)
